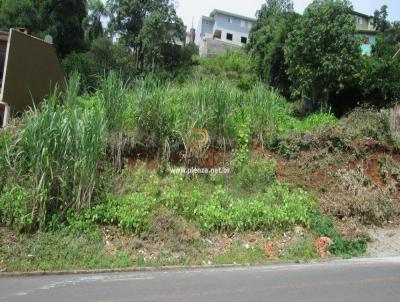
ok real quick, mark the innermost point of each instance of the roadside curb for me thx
(152, 269)
(123, 270)
(193, 267)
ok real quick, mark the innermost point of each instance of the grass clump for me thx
(230, 65)
(56, 156)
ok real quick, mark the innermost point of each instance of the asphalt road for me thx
(352, 280)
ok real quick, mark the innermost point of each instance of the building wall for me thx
(237, 27)
(204, 29)
(362, 23)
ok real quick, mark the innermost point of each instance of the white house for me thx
(222, 30)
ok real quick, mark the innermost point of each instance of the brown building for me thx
(29, 72)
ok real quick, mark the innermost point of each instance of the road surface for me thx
(355, 280)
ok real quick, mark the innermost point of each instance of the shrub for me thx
(368, 123)
(16, 208)
(356, 196)
(278, 208)
(131, 213)
(104, 56)
(257, 174)
(380, 80)
(324, 226)
(231, 65)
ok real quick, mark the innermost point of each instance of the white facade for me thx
(228, 28)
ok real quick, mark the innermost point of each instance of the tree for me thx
(380, 81)
(322, 52)
(20, 13)
(104, 56)
(380, 19)
(61, 19)
(92, 23)
(275, 20)
(145, 26)
(387, 43)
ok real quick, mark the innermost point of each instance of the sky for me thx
(191, 10)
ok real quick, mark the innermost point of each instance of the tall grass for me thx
(59, 152)
(269, 113)
(114, 98)
(165, 114)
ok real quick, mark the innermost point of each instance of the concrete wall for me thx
(211, 47)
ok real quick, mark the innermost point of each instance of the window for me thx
(243, 40)
(359, 20)
(249, 25)
(217, 34)
(229, 36)
(242, 23)
(230, 20)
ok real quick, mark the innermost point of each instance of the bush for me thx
(104, 56)
(256, 174)
(278, 208)
(368, 123)
(324, 227)
(231, 65)
(380, 81)
(355, 196)
(16, 208)
(131, 213)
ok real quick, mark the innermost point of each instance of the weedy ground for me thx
(86, 181)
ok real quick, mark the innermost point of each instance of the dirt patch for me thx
(385, 242)
(372, 170)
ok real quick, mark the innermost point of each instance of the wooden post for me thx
(4, 114)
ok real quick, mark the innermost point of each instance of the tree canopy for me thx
(60, 19)
(275, 20)
(380, 19)
(146, 26)
(322, 51)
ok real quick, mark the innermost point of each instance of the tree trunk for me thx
(326, 100)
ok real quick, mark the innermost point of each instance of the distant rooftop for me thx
(218, 11)
(361, 14)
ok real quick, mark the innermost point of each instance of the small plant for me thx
(131, 213)
(257, 174)
(15, 208)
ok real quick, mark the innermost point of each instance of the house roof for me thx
(361, 14)
(221, 12)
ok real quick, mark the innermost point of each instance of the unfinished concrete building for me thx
(29, 72)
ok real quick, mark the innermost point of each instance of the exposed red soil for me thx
(295, 171)
(213, 158)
